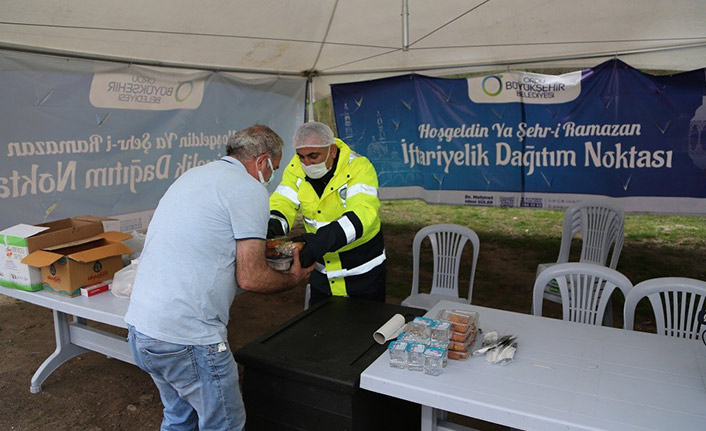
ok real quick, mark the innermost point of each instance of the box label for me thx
(14, 273)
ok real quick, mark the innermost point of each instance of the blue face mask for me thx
(264, 182)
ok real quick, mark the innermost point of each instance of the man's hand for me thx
(255, 275)
(296, 270)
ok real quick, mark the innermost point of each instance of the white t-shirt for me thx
(185, 282)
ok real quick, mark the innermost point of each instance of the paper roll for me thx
(390, 329)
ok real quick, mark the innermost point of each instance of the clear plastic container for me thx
(440, 331)
(463, 336)
(464, 346)
(406, 336)
(398, 354)
(461, 320)
(280, 263)
(456, 355)
(420, 328)
(287, 248)
(271, 246)
(445, 347)
(415, 356)
(433, 360)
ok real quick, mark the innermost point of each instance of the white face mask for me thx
(317, 170)
(264, 182)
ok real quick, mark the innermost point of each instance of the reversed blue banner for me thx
(520, 139)
(85, 137)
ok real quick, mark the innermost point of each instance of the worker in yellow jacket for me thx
(336, 191)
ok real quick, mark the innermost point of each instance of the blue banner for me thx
(521, 139)
(85, 137)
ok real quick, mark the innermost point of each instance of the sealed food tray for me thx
(271, 245)
(280, 263)
(463, 336)
(287, 248)
(456, 355)
(461, 321)
(463, 346)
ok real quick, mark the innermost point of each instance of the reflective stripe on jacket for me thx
(350, 201)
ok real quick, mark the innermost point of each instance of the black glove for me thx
(274, 229)
(306, 257)
(313, 248)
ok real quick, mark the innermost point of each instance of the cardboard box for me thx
(66, 268)
(18, 241)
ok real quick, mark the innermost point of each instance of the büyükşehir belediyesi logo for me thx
(492, 85)
(138, 90)
(183, 91)
(524, 87)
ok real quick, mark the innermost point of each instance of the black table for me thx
(305, 374)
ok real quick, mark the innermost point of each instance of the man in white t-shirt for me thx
(207, 237)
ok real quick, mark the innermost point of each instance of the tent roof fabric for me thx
(350, 40)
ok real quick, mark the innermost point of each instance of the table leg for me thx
(64, 351)
(435, 420)
(429, 418)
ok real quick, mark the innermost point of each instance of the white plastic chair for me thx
(585, 289)
(447, 243)
(676, 301)
(601, 226)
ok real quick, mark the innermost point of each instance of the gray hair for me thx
(253, 142)
(313, 129)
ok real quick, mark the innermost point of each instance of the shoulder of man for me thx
(357, 163)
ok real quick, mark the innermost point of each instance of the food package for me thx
(286, 248)
(461, 321)
(463, 331)
(271, 246)
(463, 336)
(280, 263)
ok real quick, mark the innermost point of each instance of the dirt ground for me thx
(92, 392)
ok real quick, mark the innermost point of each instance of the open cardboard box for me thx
(66, 268)
(18, 241)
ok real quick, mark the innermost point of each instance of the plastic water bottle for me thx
(398, 354)
(415, 356)
(433, 360)
(420, 328)
(440, 331)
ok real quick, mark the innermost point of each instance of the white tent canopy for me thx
(348, 40)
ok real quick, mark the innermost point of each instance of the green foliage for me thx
(323, 112)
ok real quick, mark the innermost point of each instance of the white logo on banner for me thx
(140, 91)
(525, 87)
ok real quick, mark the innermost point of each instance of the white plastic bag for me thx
(136, 243)
(124, 279)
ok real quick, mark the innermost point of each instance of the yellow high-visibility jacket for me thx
(346, 215)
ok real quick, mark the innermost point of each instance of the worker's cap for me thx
(313, 134)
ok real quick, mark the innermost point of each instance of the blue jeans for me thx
(198, 385)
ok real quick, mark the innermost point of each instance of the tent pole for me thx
(405, 25)
(309, 114)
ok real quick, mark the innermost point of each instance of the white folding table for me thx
(76, 337)
(565, 376)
